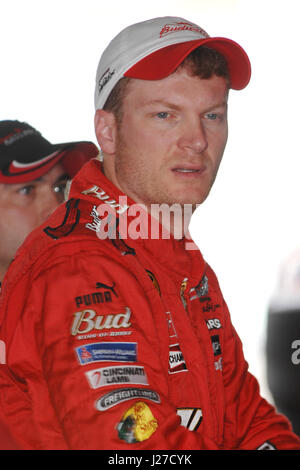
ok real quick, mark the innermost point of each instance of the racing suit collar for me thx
(133, 225)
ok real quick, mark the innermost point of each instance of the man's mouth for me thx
(187, 170)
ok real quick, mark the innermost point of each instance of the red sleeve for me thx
(88, 349)
(6, 440)
(252, 423)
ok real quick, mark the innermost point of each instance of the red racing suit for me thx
(115, 343)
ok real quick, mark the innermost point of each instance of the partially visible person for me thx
(33, 176)
(283, 341)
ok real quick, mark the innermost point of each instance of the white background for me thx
(49, 55)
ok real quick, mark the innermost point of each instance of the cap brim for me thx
(162, 63)
(71, 155)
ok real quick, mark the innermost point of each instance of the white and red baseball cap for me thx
(25, 155)
(153, 49)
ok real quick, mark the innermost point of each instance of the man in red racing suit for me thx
(168, 344)
(115, 339)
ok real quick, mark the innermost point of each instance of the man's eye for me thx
(60, 187)
(163, 115)
(212, 116)
(26, 190)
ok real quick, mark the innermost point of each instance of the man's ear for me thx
(105, 128)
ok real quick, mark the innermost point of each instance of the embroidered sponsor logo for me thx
(103, 196)
(97, 297)
(100, 285)
(210, 307)
(115, 375)
(181, 26)
(171, 327)
(96, 225)
(71, 220)
(176, 359)
(219, 364)
(182, 291)
(154, 280)
(190, 418)
(200, 291)
(215, 341)
(213, 324)
(295, 357)
(105, 78)
(101, 352)
(124, 394)
(266, 446)
(105, 334)
(137, 424)
(94, 298)
(17, 134)
(87, 320)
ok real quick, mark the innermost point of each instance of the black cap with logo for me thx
(26, 155)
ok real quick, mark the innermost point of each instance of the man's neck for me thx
(174, 218)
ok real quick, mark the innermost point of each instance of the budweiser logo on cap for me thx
(181, 26)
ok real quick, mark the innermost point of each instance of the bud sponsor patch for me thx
(117, 375)
(137, 424)
(87, 320)
(99, 352)
(124, 394)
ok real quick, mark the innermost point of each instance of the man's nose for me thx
(194, 138)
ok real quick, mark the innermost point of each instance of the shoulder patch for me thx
(71, 219)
